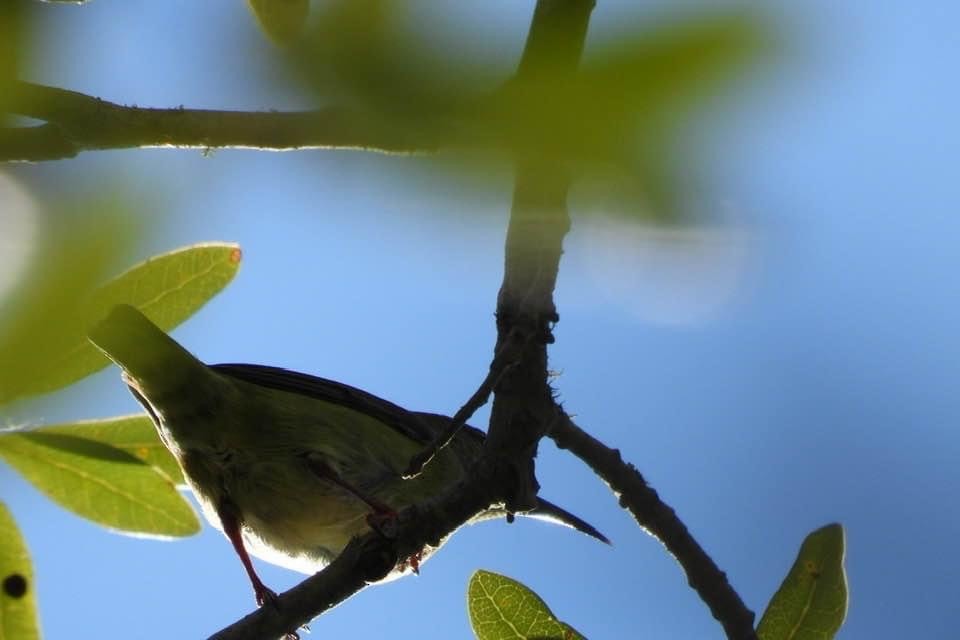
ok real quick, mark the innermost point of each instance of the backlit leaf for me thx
(18, 601)
(503, 609)
(101, 483)
(281, 20)
(168, 288)
(134, 434)
(44, 318)
(811, 604)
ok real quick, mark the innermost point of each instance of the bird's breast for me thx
(290, 516)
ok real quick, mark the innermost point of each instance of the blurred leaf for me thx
(101, 483)
(281, 20)
(621, 114)
(169, 288)
(18, 604)
(134, 434)
(811, 604)
(502, 608)
(11, 45)
(44, 318)
(624, 111)
(360, 52)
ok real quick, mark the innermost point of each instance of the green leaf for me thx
(502, 608)
(101, 483)
(18, 604)
(636, 86)
(622, 118)
(134, 434)
(44, 317)
(281, 20)
(13, 41)
(811, 604)
(168, 288)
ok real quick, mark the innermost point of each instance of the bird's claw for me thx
(266, 595)
(413, 562)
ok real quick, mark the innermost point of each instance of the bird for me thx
(289, 466)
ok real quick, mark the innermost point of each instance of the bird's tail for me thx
(152, 361)
(548, 512)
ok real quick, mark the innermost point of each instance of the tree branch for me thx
(44, 142)
(662, 522)
(523, 405)
(77, 122)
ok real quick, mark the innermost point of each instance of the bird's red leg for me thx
(231, 527)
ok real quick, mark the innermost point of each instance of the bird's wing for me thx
(405, 422)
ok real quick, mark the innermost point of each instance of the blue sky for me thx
(795, 364)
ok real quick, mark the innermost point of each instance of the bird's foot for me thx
(266, 595)
(413, 563)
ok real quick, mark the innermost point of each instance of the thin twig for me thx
(505, 359)
(662, 522)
